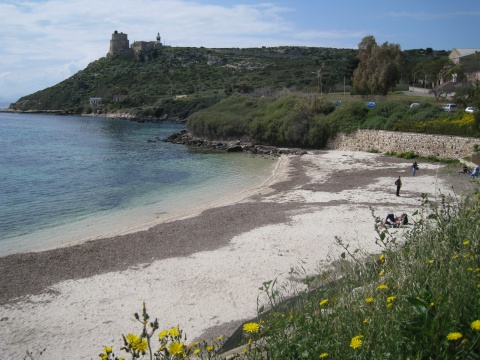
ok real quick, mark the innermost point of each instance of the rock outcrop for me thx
(185, 138)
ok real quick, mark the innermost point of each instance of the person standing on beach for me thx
(414, 168)
(398, 182)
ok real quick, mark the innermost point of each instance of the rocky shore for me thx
(185, 138)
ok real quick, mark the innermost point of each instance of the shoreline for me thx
(93, 232)
(202, 271)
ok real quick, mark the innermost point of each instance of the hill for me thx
(175, 81)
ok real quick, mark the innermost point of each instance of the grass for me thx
(417, 299)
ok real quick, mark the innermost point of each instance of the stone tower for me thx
(119, 43)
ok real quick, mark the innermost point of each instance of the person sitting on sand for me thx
(476, 172)
(396, 221)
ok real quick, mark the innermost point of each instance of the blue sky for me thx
(43, 42)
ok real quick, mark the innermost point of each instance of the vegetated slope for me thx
(159, 75)
(310, 120)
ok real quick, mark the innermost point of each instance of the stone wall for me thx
(453, 147)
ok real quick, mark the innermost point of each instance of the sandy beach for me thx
(202, 269)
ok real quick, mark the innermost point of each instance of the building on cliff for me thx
(119, 44)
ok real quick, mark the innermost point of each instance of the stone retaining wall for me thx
(453, 147)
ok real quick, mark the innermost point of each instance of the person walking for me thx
(414, 168)
(398, 182)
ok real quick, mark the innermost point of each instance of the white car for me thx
(471, 109)
(450, 107)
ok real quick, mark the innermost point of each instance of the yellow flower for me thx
(219, 338)
(382, 258)
(356, 342)
(430, 261)
(390, 301)
(176, 348)
(103, 356)
(174, 332)
(470, 269)
(142, 345)
(323, 355)
(323, 302)
(432, 304)
(108, 350)
(475, 325)
(381, 273)
(478, 286)
(132, 339)
(251, 327)
(382, 287)
(366, 321)
(369, 299)
(209, 348)
(466, 242)
(454, 336)
(163, 334)
(196, 352)
(456, 256)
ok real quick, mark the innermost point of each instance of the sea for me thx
(65, 179)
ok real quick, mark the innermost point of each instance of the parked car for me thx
(414, 104)
(471, 109)
(371, 104)
(450, 107)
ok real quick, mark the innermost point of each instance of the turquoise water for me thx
(69, 178)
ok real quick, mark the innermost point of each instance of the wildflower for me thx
(323, 355)
(470, 269)
(432, 304)
(369, 299)
(430, 261)
(196, 352)
(174, 332)
(209, 348)
(163, 334)
(390, 300)
(192, 345)
(251, 327)
(382, 258)
(219, 338)
(323, 302)
(142, 345)
(454, 336)
(245, 351)
(381, 273)
(456, 256)
(478, 286)
(132, 339)
(108, 350)
(366, 321)
(176, 348)
(477, 269)
(475, 325)
(466, 242)
(356, 342)
(382, 287)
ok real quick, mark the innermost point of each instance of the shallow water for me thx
(68, 178)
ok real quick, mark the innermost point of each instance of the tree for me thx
(379, 67)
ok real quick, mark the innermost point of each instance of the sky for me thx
(43, 42)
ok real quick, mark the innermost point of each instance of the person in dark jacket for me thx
(398, 182)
